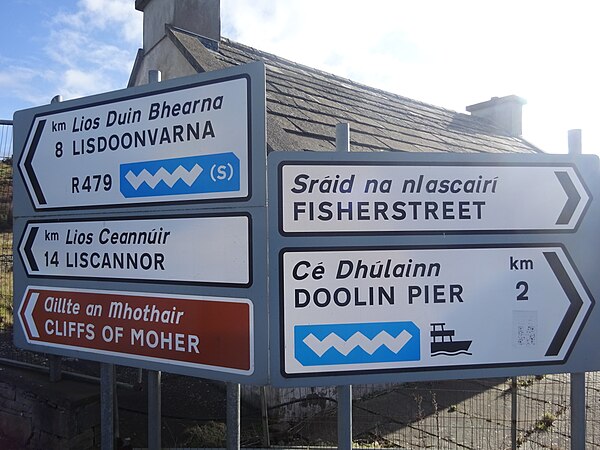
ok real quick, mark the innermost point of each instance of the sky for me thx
(450, 53)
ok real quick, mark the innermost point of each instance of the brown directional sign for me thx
(201, 332)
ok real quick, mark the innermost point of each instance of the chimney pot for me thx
(504, 112)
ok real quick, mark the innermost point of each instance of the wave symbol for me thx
(462, 352)
(395, 344)
(181, 173)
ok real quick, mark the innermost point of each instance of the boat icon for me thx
(443, 343)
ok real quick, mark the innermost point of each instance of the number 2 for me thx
(524, 288)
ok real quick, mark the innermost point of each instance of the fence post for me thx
(264, 408)
(513, 412)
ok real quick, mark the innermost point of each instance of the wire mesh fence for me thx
(6, 262)
(527, 413)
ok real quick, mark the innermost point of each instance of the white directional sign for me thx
(208, 249)
(362, 310)
(140, 226)
(186, 143)
(371, 197)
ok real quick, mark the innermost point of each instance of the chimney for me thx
(504, 112)
(201, 17)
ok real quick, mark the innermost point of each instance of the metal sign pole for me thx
(233, 416)
(344, 393)
(344, 396)
(154, 396)
(55, 361)
(107, 413)
(578, 411)
(107, 385)
(154, 405)
(577, 379)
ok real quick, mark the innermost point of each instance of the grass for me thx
(5, 172)
(211, 434)
(6, 239)
(6, 281)
(545, 422)
(6, 300)
(6, 194)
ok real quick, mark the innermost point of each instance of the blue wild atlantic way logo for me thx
(356, 343)
(180, 176)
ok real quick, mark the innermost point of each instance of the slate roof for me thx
(305, 104)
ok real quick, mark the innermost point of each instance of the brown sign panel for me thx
(213, 333)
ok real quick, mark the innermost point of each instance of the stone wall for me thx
(36, 414)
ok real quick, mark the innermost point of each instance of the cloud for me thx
(25, 84)
(72, 48)
(93, 47)
(106, 15)
(448, 53)
(77, 83)
(84, 50)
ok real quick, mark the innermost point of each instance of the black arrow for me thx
(573, 198)
(28, 253)
(29, 167)
(575, 303)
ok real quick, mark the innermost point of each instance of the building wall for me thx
(165, 57)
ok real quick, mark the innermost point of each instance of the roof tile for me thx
(304, 104)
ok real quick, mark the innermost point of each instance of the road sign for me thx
(197, 332)
(148, 194)
(206, 250)
(502, 241)
(413, 309)
(181, 140)
(390, 194)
